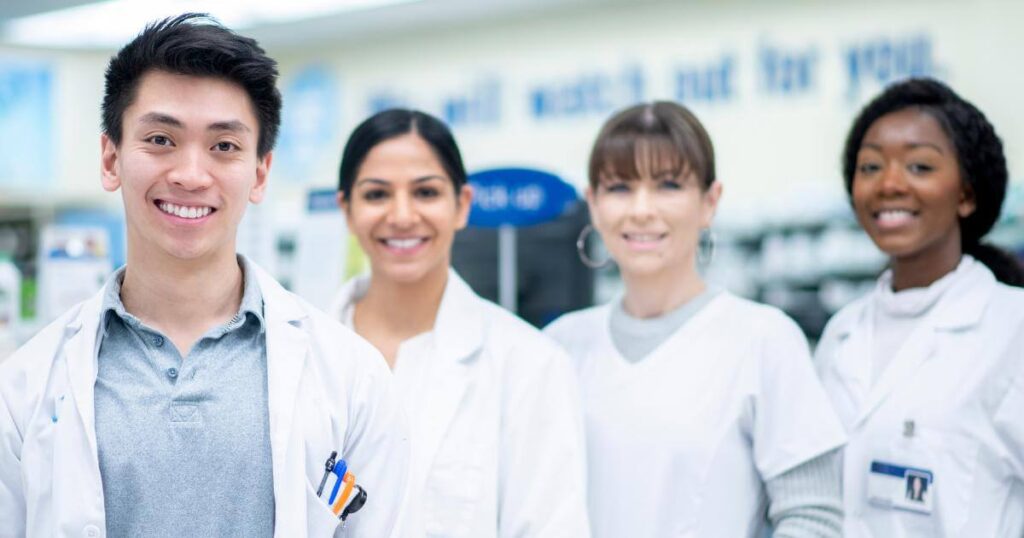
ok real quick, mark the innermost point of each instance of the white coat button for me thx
(91, 531)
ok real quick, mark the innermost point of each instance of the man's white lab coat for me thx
(327, 389)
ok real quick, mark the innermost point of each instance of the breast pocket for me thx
(38, 464)
(955, 459)
(322, 434)
(951, 459)
(452, 496)
(323, 430)
(321, 521)
(38, 451)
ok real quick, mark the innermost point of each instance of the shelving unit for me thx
(808, 263)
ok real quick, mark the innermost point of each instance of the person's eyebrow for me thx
(159, 118)
(915, 145)
(233, 126)
(908, 145)
(377, 181)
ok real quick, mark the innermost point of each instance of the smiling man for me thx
(193, 396)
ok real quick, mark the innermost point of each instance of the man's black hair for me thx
(197, 45)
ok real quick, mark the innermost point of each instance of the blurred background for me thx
(525, 84)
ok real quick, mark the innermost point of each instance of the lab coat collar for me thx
(279, 305)
(961, 307)
(350, 293)
(458, 326)
(966, 299)
(458, 341)
(252, 301)
(287, 346)
(285, 350)
(81, 353)
(851, 317)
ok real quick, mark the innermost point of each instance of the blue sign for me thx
(309, 124)
(26, 124)
(322, 201)
(518, 197)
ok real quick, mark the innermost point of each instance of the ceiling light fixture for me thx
(111, 23)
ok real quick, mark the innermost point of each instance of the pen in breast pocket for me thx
(56, 408)
(328, 467)
(339, 490)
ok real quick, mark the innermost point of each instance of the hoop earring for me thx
(581, 249)
(706, 247)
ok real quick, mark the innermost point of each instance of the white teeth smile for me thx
(184, 211)
(894, 216)
(643, 237)
(404, 244)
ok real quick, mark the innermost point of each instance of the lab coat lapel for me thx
(853, 364)
(76, 469)
(287, 347)
(960, 307)
(918, 348)
(458, 334)
(349, 293)
(80, 352)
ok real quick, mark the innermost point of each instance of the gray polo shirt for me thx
(184, 443)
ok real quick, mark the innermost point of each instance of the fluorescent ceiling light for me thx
(112, 23)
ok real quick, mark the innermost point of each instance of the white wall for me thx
(73, 150)
(768, 145)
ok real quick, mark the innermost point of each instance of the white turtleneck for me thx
(898, 313)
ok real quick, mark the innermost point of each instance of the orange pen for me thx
(349, 480)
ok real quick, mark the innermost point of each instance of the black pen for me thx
(328, 467)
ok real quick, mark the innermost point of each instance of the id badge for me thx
(901, 476)
(893, 485)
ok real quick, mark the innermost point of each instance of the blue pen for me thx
(56, 408)
(339, 470)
